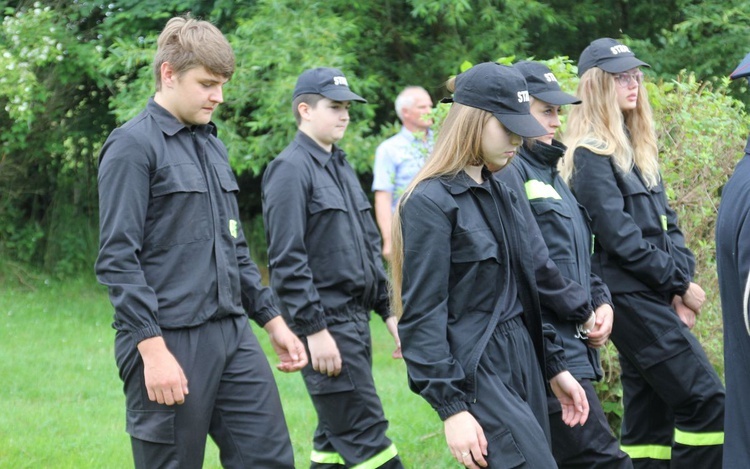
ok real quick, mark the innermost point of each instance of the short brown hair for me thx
(310, 98)
(186, 43)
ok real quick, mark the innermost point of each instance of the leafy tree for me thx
(710, 39)
(55, 113)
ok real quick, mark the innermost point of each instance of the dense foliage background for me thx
(74, 70)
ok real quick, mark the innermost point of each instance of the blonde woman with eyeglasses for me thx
(673, 399)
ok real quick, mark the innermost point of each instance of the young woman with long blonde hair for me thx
(673, 399)
(464, 266)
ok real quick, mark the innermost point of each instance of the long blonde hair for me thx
(458, 145)
(598, 124)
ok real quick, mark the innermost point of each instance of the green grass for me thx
(61, 401)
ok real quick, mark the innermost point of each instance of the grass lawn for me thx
(61, 401)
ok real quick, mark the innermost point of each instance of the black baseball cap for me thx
(543, 84)
(609, 55)
(742, 70)
(501, 90)
(329, 82)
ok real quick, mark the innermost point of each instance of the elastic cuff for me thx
(263, 316)
(683, 289)
(452, 409)
(310, 328)
(555, 365)
(146, 333)
(602, 300)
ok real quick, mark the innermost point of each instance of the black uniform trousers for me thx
(511, 402)
(351, 422)
(232, 397)
(673, 398)
(588, 446)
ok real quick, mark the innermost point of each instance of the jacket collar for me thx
(462, 182)
(169, 124)
(541, 155)
(316, 151)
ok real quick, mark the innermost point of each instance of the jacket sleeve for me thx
(124, 191)
(257, 300)
(285, 198)
(682, 255)
(600, 293)
(433, 371)
(554, 351)
(566, 298)
(595, 187)
(382, 303)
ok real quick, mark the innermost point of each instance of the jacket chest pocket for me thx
(229, 212)
(326, 198)
(476, 271)
(551, 212)
(640, 204)
(179, 209)
(556, 222)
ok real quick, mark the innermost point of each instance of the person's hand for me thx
(164, 379)
(466, 440)
(392, 324)
(694, 297)
(324, 354)
(685, 314)
(602, 326)
(287, 346)
(572, 397)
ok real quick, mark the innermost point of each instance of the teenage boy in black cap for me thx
(733, 266)
(564, 226)
(325, 266)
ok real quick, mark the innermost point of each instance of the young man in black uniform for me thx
(180, 277)
(325, 266)
(733, 265)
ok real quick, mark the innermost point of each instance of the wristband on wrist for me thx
(581, 331)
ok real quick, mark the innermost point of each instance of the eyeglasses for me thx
(624, 79)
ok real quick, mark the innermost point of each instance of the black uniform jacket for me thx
(323, 244)
(733, 265)
(638, 246)
(452, 274)
(172, 250)
(564, 226)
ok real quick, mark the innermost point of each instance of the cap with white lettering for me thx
(501, 90)
(609, 55)
(543, 84)
(329, 82)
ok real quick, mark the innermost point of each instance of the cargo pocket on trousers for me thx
(666, 346)
(152, 426)
(504, 453)
(319, 384)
